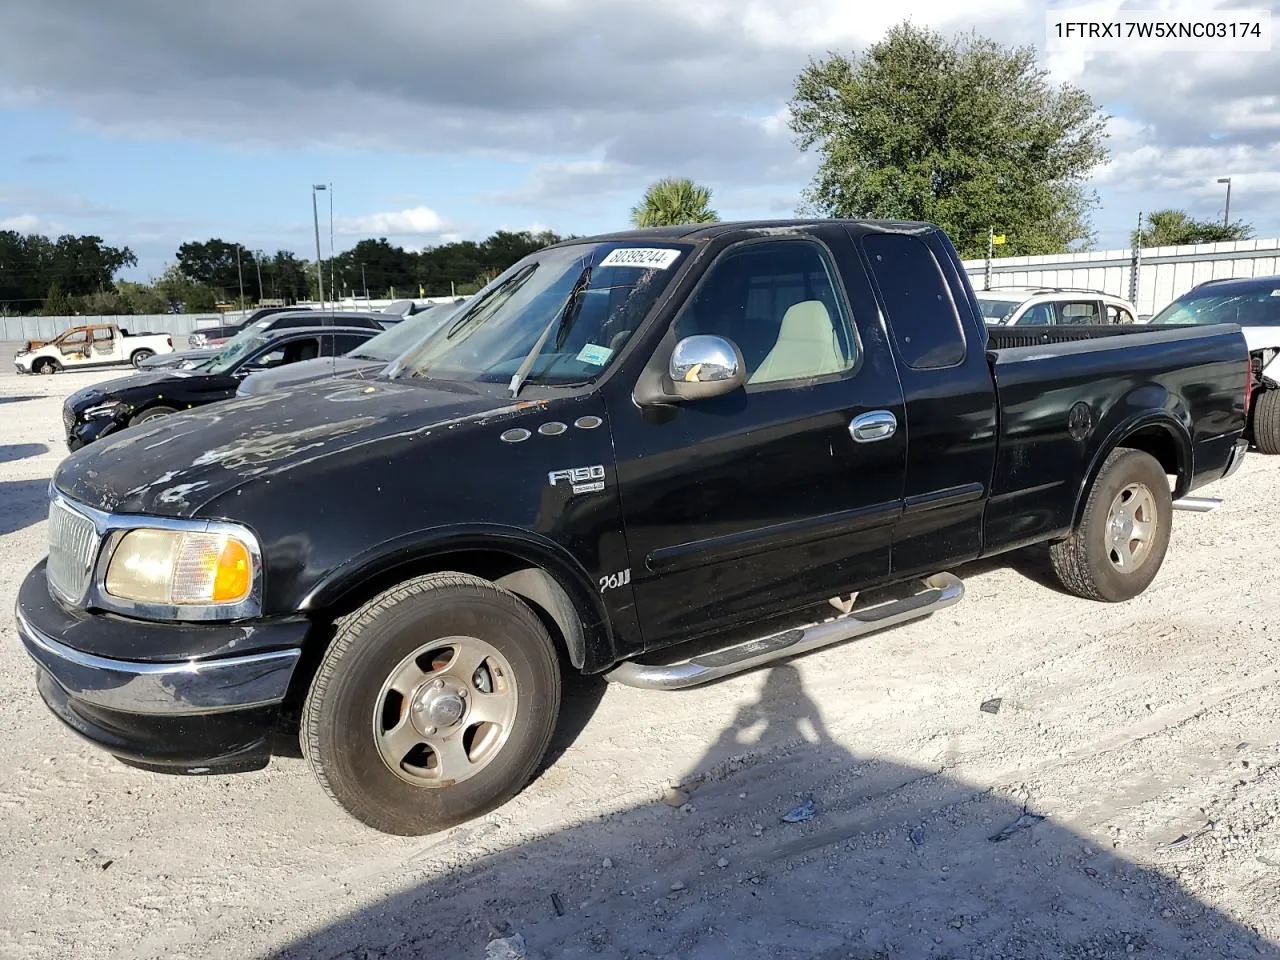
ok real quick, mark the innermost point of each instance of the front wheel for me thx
(46, 367)
(151, 413)
(1117, 548)
(141, 355)
(435, 703)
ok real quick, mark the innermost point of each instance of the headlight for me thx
(183, 569)
(109, 409)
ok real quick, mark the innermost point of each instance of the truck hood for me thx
(306, 371)
(174, 465)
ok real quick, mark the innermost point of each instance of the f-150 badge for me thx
(583, 479)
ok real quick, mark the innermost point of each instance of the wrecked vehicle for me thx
(664, 456)
(90, 347)
(101, 409)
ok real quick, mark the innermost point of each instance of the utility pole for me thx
(315, 216)
(364, 283)
(991, 239)
(1136, 265)
(240, 273)
(257, 262)
(332, 279)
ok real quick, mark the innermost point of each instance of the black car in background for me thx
(105, 408)
(365, 360)
(217, 336)
(295, 318)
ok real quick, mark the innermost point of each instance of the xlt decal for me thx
(583, 479)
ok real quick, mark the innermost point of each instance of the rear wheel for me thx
(140, 355)
(435, 702)
(1117, 548)
(1266, 421)
(46, 366)
(151, 413)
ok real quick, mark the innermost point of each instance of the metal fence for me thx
(1151, 278)
(46, 328)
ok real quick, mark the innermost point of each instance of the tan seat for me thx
(807, 346)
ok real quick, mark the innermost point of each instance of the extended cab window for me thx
(777, 301)
(103, 333)
(921, 313)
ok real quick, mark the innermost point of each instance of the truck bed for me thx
(1065, 391)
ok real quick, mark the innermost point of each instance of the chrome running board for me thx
(940, 590)
(1197, 504)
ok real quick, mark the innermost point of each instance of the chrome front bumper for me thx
(170, 689)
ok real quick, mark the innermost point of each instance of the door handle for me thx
(876, 425)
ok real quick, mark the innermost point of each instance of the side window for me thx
(103, 334)
(287, 323)
(1041, 315)
(76, 339)
(922, 316)
(1078, 311)
(1118, 314)
(304, 348)
(346, 342)
(778, 302)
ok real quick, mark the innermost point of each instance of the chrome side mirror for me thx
(704, 366)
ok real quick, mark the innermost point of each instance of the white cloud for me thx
(414, 222)
(24, 223)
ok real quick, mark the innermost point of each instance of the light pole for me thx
(257, 262)
(315, 215)
(240, 274)
(1226, 214)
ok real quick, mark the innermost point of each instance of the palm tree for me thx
(672, 201)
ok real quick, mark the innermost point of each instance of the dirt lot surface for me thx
(1146, 734)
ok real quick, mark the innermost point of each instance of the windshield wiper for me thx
(566, 313)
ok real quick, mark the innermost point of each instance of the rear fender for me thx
(544, 573)
(1167, 424)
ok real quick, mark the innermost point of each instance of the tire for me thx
(349, 712)
(1266, 421)
(140, 355)
(150, 414)
(46, 366)
(1086, 562)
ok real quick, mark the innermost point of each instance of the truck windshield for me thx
(613, 285)
(388, 345)
(1253, 308)
(997, 311)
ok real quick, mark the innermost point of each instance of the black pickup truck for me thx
(664, 456)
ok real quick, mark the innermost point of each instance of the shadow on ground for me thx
(895, 862)
(18, 399)
(22, 503)
(11, 452)
(1029, 562)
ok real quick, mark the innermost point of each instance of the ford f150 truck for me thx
(663, 456)
(97, 345)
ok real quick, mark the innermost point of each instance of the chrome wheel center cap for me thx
(1122, 526)
(439, 708)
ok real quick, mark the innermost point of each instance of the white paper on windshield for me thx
(1275, 293)
(646, 258)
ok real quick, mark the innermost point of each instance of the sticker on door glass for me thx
(646, 258)
(595, 355)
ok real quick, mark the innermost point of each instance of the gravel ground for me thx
(1147, 735)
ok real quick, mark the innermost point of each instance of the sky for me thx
(153, 122)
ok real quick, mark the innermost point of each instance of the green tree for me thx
(672, 201)
(214, 263)
(1169, 228)
(962, 132)
(57, 303)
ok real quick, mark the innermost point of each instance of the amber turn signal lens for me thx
(233, 574)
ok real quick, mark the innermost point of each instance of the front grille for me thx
(73, 547)
(68, 417)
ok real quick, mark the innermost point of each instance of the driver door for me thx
(75, 349)
(760, 503)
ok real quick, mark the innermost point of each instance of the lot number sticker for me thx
(646, 258)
